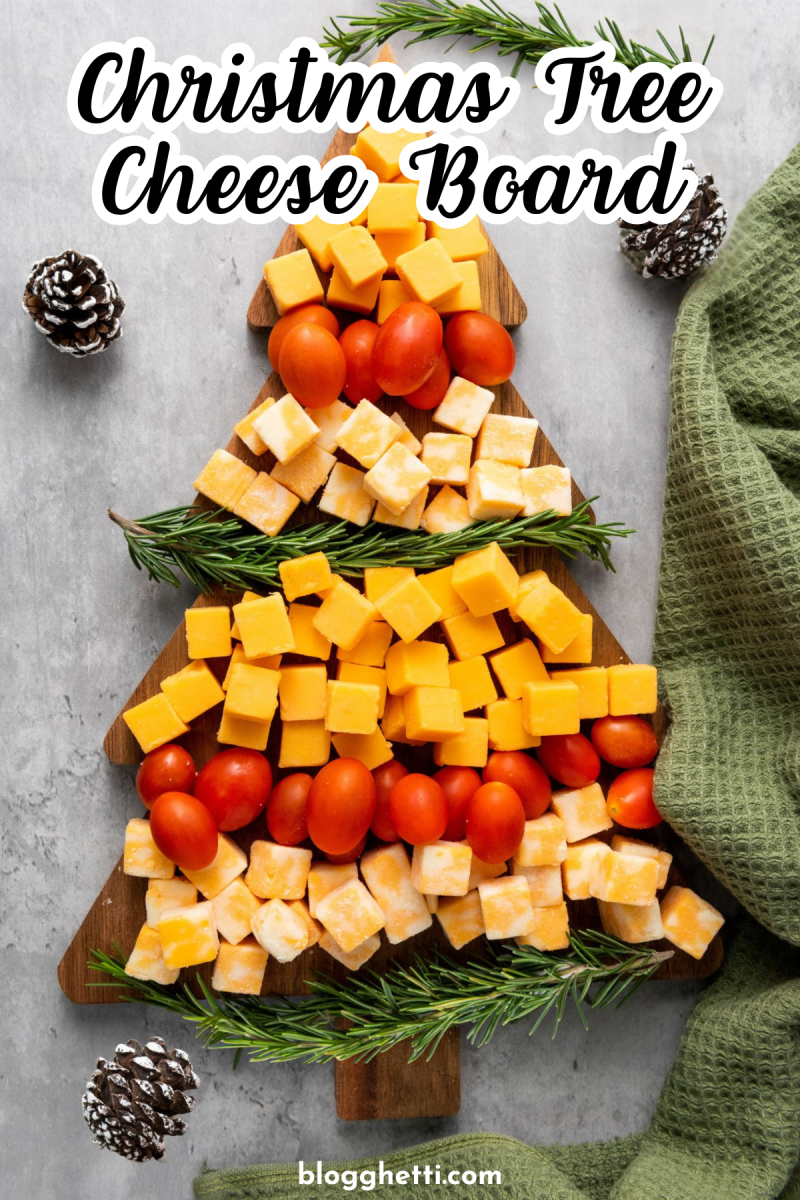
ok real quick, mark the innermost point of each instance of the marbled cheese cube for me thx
(193, 691)
(493, 491)
(544, 882)
(278, 872)
(329, 420)
(371, 749)
(629, 845)
(551, 615)
(486, 580)
(467, 749)
(313, 928)
(353, 673)
(367, 434)
(142, 856)
(352, 707)
(544, 842)
(440, 585)
(308, 640)
(388, 875)
(579, 649)
(229, 862)
(549, 929)
(506, 730)
(325, 877)
(316, 235)
(393, 725)
(244, 428)
(506, 906)
(352, 959)
(280, 931)
(461, 918)
(432, 903)
(517, 665)
(234, 909)
(632, 688)
(154, 722)
(592, 688)
(189, 936)
(306, 473)
(266, 504)
(409, 518)
(689, 922)
(146, 959)
(286, 428)
(433, 713)
(409, 608)
(507, 439)
(356, 255)
(467, 296)
(302, 692)
(406, 438)
(224, 479)
(447, 456)
(391, 294)
(252, 693)
(546, 488)
(624, 878)
(165, 894)
(442, 868)
(370, 649)
(583, 811)
(345, 495)
(473, 681)
(448, 512)
(393, 209)
(208, 631)
(462, 243)
(359, 300)
(469, 636)
(381, 151)
(480, 870)
(551, 708)
(345, 616)
(378, 580)
(395, 242)
(350, 914)
(632, 922)
(292, 280)
(252, 735)
(305, 576)
(304, 744)
(264, 626)
(428, 271)
(464, 407)
(240, 968)
(397, 478)
(414, 664)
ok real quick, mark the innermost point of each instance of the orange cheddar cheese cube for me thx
(493, 490)
(345, 495)
(578, 651)
(394, 242)
(278, 872)
(234, 909)
(280, 931)
(546, 488)
(583, 811)
(544, 842)
(252, 693)
(189, 936)
(506, 730)
(303, 475)
(142, 856)
(624, 878)
(469, 636)
(354, 673)
(264, 626)
(409, 608)
(356, 256)
(464, 407)
(344, 616)
(371, 749)
(381, 151)
(428, 271)
(224, 479)
(252, 735)
(391, 294)
(441, 868)
(329, 421)
(208, 631)
(506, 905)
(286, 428)
(507, 439)
(517, 665)
(305, 576)
(292, 281)
(192, 691)
(352, 959)
(433, 714)
(266, 504)
(632, 688)
(378, 580)
(352, 707)
(302, 692)
(165, 894)
(246, 595)
(467, 296)
(592, 688)
(370, 650)
(229, 863)
(576, 869)
(629, 845)
(527, 582)
(388, 875)
(359, 300)
(393, 210)
(447, 456)
(551, 615)
(544, 883)
(447, 512)
(461, 918)
(472, 679)
(409, 518)
(240, 968)
(393, 725)
(689, 922)
(146, 959)
(154, 722)
(549, 928)
(308, 641)
(304, 744)
(350, 914)
(325, 877)
(632, 922)
(397, 478)
(313, 928)
(464, 243)
(467, 749)
(480, 870)
(414, 664)
(244, 429)
(551, 708)
(316, 235)
(440, 585)
(485, 580)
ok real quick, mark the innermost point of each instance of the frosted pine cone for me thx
(74, 303)
(675, 250)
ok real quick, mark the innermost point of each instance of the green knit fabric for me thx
(727, 1123)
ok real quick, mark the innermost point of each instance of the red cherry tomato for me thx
(286, 810)
(433, 389)
(418, 808)
(312, 365)
(386, 776)
(407, 348)
(184, 830)
(340, 806)
(167, 769)
(357, 342)
(234, 785)
(459, 785)
(495, 822)
(351, 855)
(524, 775)
(479, 348)
(625, 741)
(630, 799)
(306, 314)
(570, 758)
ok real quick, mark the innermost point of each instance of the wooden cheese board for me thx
(388, 1087)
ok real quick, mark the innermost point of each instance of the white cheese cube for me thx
(507, 439)
(240, 968)
(624, 878)
(461, 918)
(352, 959)
(142, 856)
(544, 842)
(409, 518)
(506, 906)
(690, 922)
(387, 874)
(576, 869)
(329, 421)
(397, 478)
(494, 491)
(325, 877)
(278, 872)
(367, 434)
(146, 959)
(230, 862)
(281, 932)
(306, 473)
(442, 868)
(546, 487)
(583, 811)
(447, 456)
(464, 406)
(549, 928)
(447, 513)
(350, 914)
(480, 870)
(406, 436)
(234, 909)
(165, 894)
(629, 845)
(544, 882)
(345, 495)
(632, 922)
(285, 428)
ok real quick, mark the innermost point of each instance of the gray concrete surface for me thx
(131, 429)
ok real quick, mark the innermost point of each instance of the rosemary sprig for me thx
(489, 24)
(421, 1002)
(214, 549)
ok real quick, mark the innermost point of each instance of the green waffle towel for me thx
(727, 1124)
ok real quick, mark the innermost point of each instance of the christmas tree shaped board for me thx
(388, 1086)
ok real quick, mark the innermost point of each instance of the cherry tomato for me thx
(479, 348)
(570, 758)
(630, 799)
(350, 855)
(357, 341)
(312, 365)
(386, 776)
(495, 822)
(524, 775)
(184, 830)
(459, 785)
(433, 389)
(286, 810)
(234, 785)
(167, 769)
(306, 314)
(625, 741)
(407, 348)
(340, 806)
(418, 809)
